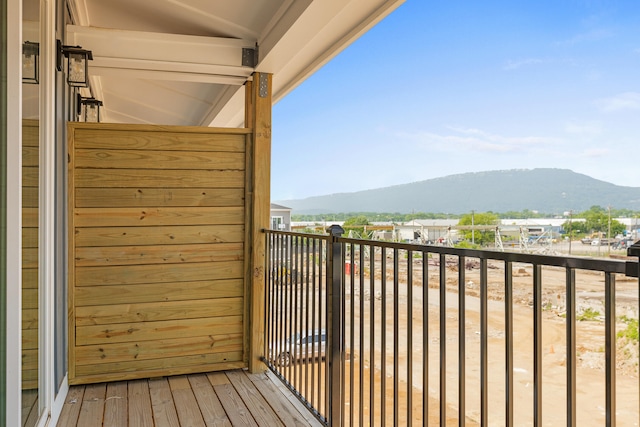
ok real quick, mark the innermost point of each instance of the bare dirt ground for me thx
(374, 312)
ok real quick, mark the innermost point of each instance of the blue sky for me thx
(442, 87)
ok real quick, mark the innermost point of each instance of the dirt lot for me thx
(372, 310)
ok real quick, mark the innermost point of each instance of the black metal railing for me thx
(388, 334)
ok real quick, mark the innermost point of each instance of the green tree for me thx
(356, 224)
(576, 228)
(483, 236)
(598, 220)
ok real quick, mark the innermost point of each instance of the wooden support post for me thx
(258, 119)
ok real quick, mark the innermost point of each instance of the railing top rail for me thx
(580, 263)
(605, 265)
(298, 234)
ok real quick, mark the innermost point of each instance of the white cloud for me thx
(583, 128)
(622, 101)
(596, 152)
(478, 140)
(590, 36)
(515, 64)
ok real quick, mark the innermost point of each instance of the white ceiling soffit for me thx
(180, 61)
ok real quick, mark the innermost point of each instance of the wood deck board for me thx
(262, 412)
(216, 399)
(140, 411)
(285, 411)
(186, 403)
(71, 409)
(93, 402)
(212, 410)
(116, 405)
(164, 408)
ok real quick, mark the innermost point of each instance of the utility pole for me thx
(609, 231)
(473, 231)
(570, 218)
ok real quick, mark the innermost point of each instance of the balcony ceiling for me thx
(179, 62)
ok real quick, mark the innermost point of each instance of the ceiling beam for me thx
(163, 56)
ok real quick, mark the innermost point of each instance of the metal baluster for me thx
(508, 326)
(425, 338)
(461, 342)
(383, 338)
(484, 334)
(443, 340)
(537, 345)
(296, 327)
(361, 336)
(571, 346)
(410, 338)
(396, 336)
(372, 328)
(610, 345)
(352, 336)
(316, 250)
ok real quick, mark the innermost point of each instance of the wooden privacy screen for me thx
(30, 185)
(157, 231)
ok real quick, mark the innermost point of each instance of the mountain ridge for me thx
(547, 190)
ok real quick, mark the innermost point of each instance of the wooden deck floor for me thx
(232, 398)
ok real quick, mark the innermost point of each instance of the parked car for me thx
(300, 346)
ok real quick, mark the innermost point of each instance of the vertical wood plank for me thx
(186, 403)
(92, 411)
(164, 409)
(259, 112)
(210, 406)
(116, 405)
(140, 412)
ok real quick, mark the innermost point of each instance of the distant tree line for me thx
(593, 214)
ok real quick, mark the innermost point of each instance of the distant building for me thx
(280, 217)
(426, 230)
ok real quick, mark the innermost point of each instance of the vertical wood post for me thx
(258, 118)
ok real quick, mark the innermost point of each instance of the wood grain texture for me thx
(158, 311)
(169, 138)
(260, 192)
(137, 159)
(213, 413)
(30, 268)
(176, 254)
(160, 236)
(154, 292)
(190, 400)
(132, 217)
(260, 409)
(129, 275)
(180, 178)
(71, 408)
(157, 349)
(186, 403)
(183, 328)
(161, 197)
(157, 276)
(140, 412)
(116, 407)
(162, 403)
(233, 405)
(92, 411)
